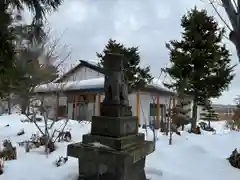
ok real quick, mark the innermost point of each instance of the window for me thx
(153, 109)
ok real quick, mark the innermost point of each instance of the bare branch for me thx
(215, 9)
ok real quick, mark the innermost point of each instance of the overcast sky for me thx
(88, 24)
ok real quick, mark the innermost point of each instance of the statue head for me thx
(113, 61)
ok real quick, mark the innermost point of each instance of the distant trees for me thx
(209, 113)
(200, 59)
(236, 115)
(137, 76)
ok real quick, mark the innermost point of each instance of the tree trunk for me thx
(194, 113)
(183, 127)
(57, 107)
(28, 108)
(24, 106)
(9, 103)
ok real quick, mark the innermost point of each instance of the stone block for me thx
(107, 164)
(114, 126)
(115, 110)
(115, 143)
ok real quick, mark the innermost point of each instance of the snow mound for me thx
(198, 157)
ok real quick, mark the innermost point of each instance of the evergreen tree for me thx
(39, 9)
(137, 76)
(209, 113)
(200, 58)
(7, 50)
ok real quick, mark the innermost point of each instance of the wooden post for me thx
(158, 112)
(99, 104)
(174, 101)
(75, 110)
(169, 114)
(138, 106)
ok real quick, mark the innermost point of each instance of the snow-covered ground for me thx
(198, 157)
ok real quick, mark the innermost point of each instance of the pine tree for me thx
(7, 49)
(209, 113)
(200, 58)
(136, 75)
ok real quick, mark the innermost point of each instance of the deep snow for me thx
(198, 157)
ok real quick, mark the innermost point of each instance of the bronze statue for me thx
(115, 84)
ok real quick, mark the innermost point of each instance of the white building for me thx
(81, 92)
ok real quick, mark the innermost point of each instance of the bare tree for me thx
(232, 9)
(39, 63)
(45, 105)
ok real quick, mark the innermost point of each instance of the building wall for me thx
(145, 100)
(144, 105)
(51, 101)
(83, 73)
(140, 108)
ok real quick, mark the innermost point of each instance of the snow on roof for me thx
(88, 84)
(71, 85)
(157, 83)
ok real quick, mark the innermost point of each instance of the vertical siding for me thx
(70, 110)
(132, 102)
(83, 73)
(145, 100)
(91, 110)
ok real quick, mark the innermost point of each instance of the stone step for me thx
(115, 143)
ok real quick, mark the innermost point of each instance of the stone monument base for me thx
(100, 162)
(114, 150)
(115, 110)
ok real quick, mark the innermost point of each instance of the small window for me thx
(153, 109)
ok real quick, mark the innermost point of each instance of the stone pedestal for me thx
(114, 150)
(115, 110)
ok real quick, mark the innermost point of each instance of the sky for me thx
(85, 26)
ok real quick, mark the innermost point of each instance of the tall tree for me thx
(7, 48)
(136, 75)
(200, 58)
(7, 38)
